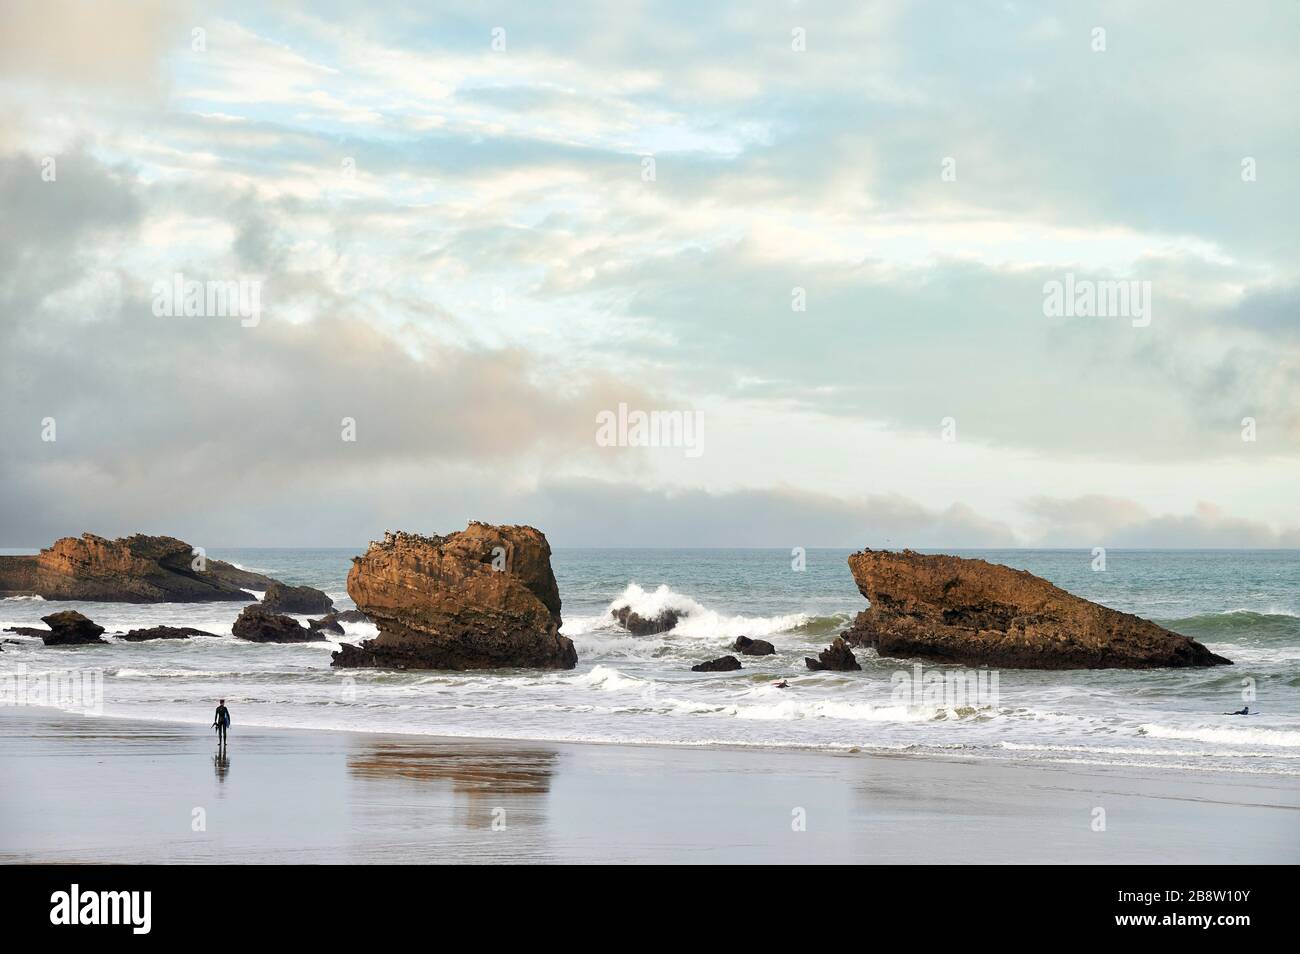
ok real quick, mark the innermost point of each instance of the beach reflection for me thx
(473, 772)
(221, 764)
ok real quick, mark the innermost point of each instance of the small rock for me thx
(352, 616)
(837, 657)
(281, 598)
(70, 628)
(722, 664)
(753, 647)
(163, 632)
(326, 624)
(259, 625)
(638, 625)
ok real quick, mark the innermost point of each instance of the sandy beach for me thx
(80, 789)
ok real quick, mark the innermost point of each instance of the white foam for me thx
(1224, 735)
(607, 678)
(697, 621)
(837, 709)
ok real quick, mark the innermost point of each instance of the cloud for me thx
(457, 248)
(90, 46)
(1097, 520)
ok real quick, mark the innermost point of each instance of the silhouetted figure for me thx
(221, 721)
(783, 684)
(1244, 710)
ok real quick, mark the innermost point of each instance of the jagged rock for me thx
(837, 657)
(721, 664)
(136, 569)
(259, 625)
(753, 647)
(303, 600)
(481, 598)
(638, 625)
(163, 632)
(326, 624)
(352, 616)
(977, 613)
(70, 628)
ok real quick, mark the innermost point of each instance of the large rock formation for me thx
(137, 569)
(481, 598)
(977, 613)
(304, 600)
(70, 628)
(259, 625)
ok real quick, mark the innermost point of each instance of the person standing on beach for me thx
(221, 721)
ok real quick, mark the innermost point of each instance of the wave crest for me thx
(697, 620)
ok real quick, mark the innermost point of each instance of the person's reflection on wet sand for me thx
(221, 763)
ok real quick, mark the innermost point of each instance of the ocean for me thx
(1242, 604)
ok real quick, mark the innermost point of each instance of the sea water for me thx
(1244, 605)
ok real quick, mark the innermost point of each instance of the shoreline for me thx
(118, 789)
(955, 753)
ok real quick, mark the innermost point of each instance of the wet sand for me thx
(81, 789)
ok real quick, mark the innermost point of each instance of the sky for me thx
(823, 233)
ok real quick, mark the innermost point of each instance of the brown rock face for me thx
(70, 628)
(138, 569)
(482, 598)
(837, 657)
(259, 625)
(977, 613)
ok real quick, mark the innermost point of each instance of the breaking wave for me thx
(697, 620)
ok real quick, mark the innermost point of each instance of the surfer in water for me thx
(1244, 710)
(782, 684)
(221, 721)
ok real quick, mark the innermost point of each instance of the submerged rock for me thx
(259, 625)
(136, 569)
(753, 647)
(721, 664)
(70, 628)
(303, 600)
(977, 613)
(481, 598)
(352, 616)
(163, 632)
(639, 625)
(837, 657)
